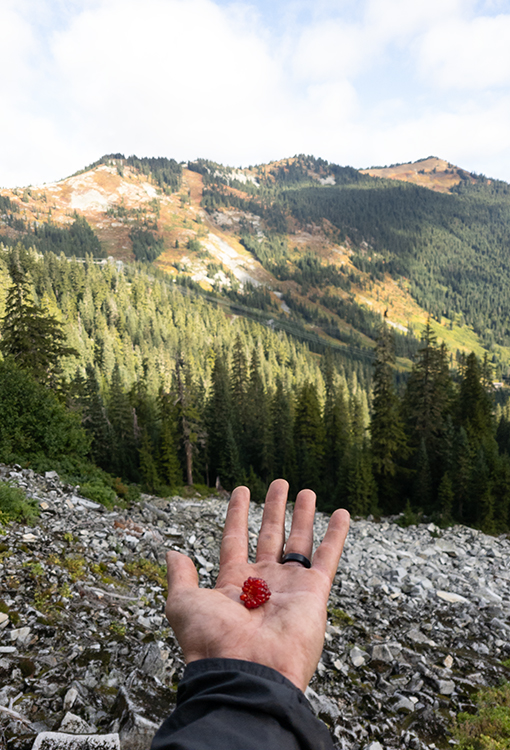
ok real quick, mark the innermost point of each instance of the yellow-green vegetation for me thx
(118, 628)
(77, 567)
(339, 618)
(148, 569)
(15, 506)
(42, 599)
(506, 663)
(100, 570)
(64, 591)
(489, 728)
(36, 570)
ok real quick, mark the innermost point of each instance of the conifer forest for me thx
(125, 378)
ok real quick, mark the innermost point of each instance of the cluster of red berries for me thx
(255, 592)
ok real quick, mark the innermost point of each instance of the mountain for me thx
(221, 326)
(433, 173)
(329, 247)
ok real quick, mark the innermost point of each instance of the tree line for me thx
(431, 447)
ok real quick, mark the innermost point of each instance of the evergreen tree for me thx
(360, 486)
(422, 489)
(34, 340)
(309, 438)
(462, 475)
(258, 438)
(281, 417)
(148, 467)
(95, 421)
(122, 417)
(336, 429)
(169, 464)
(188, 413)
(446, 498)
(427, 404)
(475, 408)
(222, 450)
(239, 385)
(388, 439)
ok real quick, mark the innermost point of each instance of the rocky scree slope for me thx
(419, 619)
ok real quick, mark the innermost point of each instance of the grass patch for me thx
(340, 618)
(489, 728)
(15, 506)
(148, 569)
(76, 566)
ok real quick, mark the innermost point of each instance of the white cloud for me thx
(371, 81)
(332, 49)
(470, 54)
(171, 77)
(392, 20)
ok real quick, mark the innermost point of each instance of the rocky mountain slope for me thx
(433, 173)
(201, 223)
(419, 619)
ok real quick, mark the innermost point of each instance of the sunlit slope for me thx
(328, 248)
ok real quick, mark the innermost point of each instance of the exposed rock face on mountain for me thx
(419, 619)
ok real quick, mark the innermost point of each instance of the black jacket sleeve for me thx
(229, 704)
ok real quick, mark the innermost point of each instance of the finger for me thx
(301, 533)
(327, 555)
(234, 544)
(181, 573)
(272, 528)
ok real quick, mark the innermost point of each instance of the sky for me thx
(357, 82)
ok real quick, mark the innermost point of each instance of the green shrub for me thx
(99, 493)
(489, 728)
(34, 422)
(409, 517)
(15, 506)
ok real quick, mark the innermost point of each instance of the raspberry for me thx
(255, 592)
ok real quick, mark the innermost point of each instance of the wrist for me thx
(297, 678)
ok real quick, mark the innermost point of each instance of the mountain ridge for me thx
(204, 226)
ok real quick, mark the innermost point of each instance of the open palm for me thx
(286, 633)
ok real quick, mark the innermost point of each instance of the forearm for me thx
(228, 703)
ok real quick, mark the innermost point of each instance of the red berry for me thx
(255, 592)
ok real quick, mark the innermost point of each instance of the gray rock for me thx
(152, 663)
(321, 705)
(61, 741)
(357, 656)
(452, 598)
(418, 637)
(20, 635)
(135, 730)
(445, 687)
(73, 724)
(451, 548)
(404, 705)
(382, 653)
(70, 698)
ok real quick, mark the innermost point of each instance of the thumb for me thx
(181, 572)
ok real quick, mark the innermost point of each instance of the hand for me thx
(285, 633)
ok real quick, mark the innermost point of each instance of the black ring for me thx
(296, 557)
